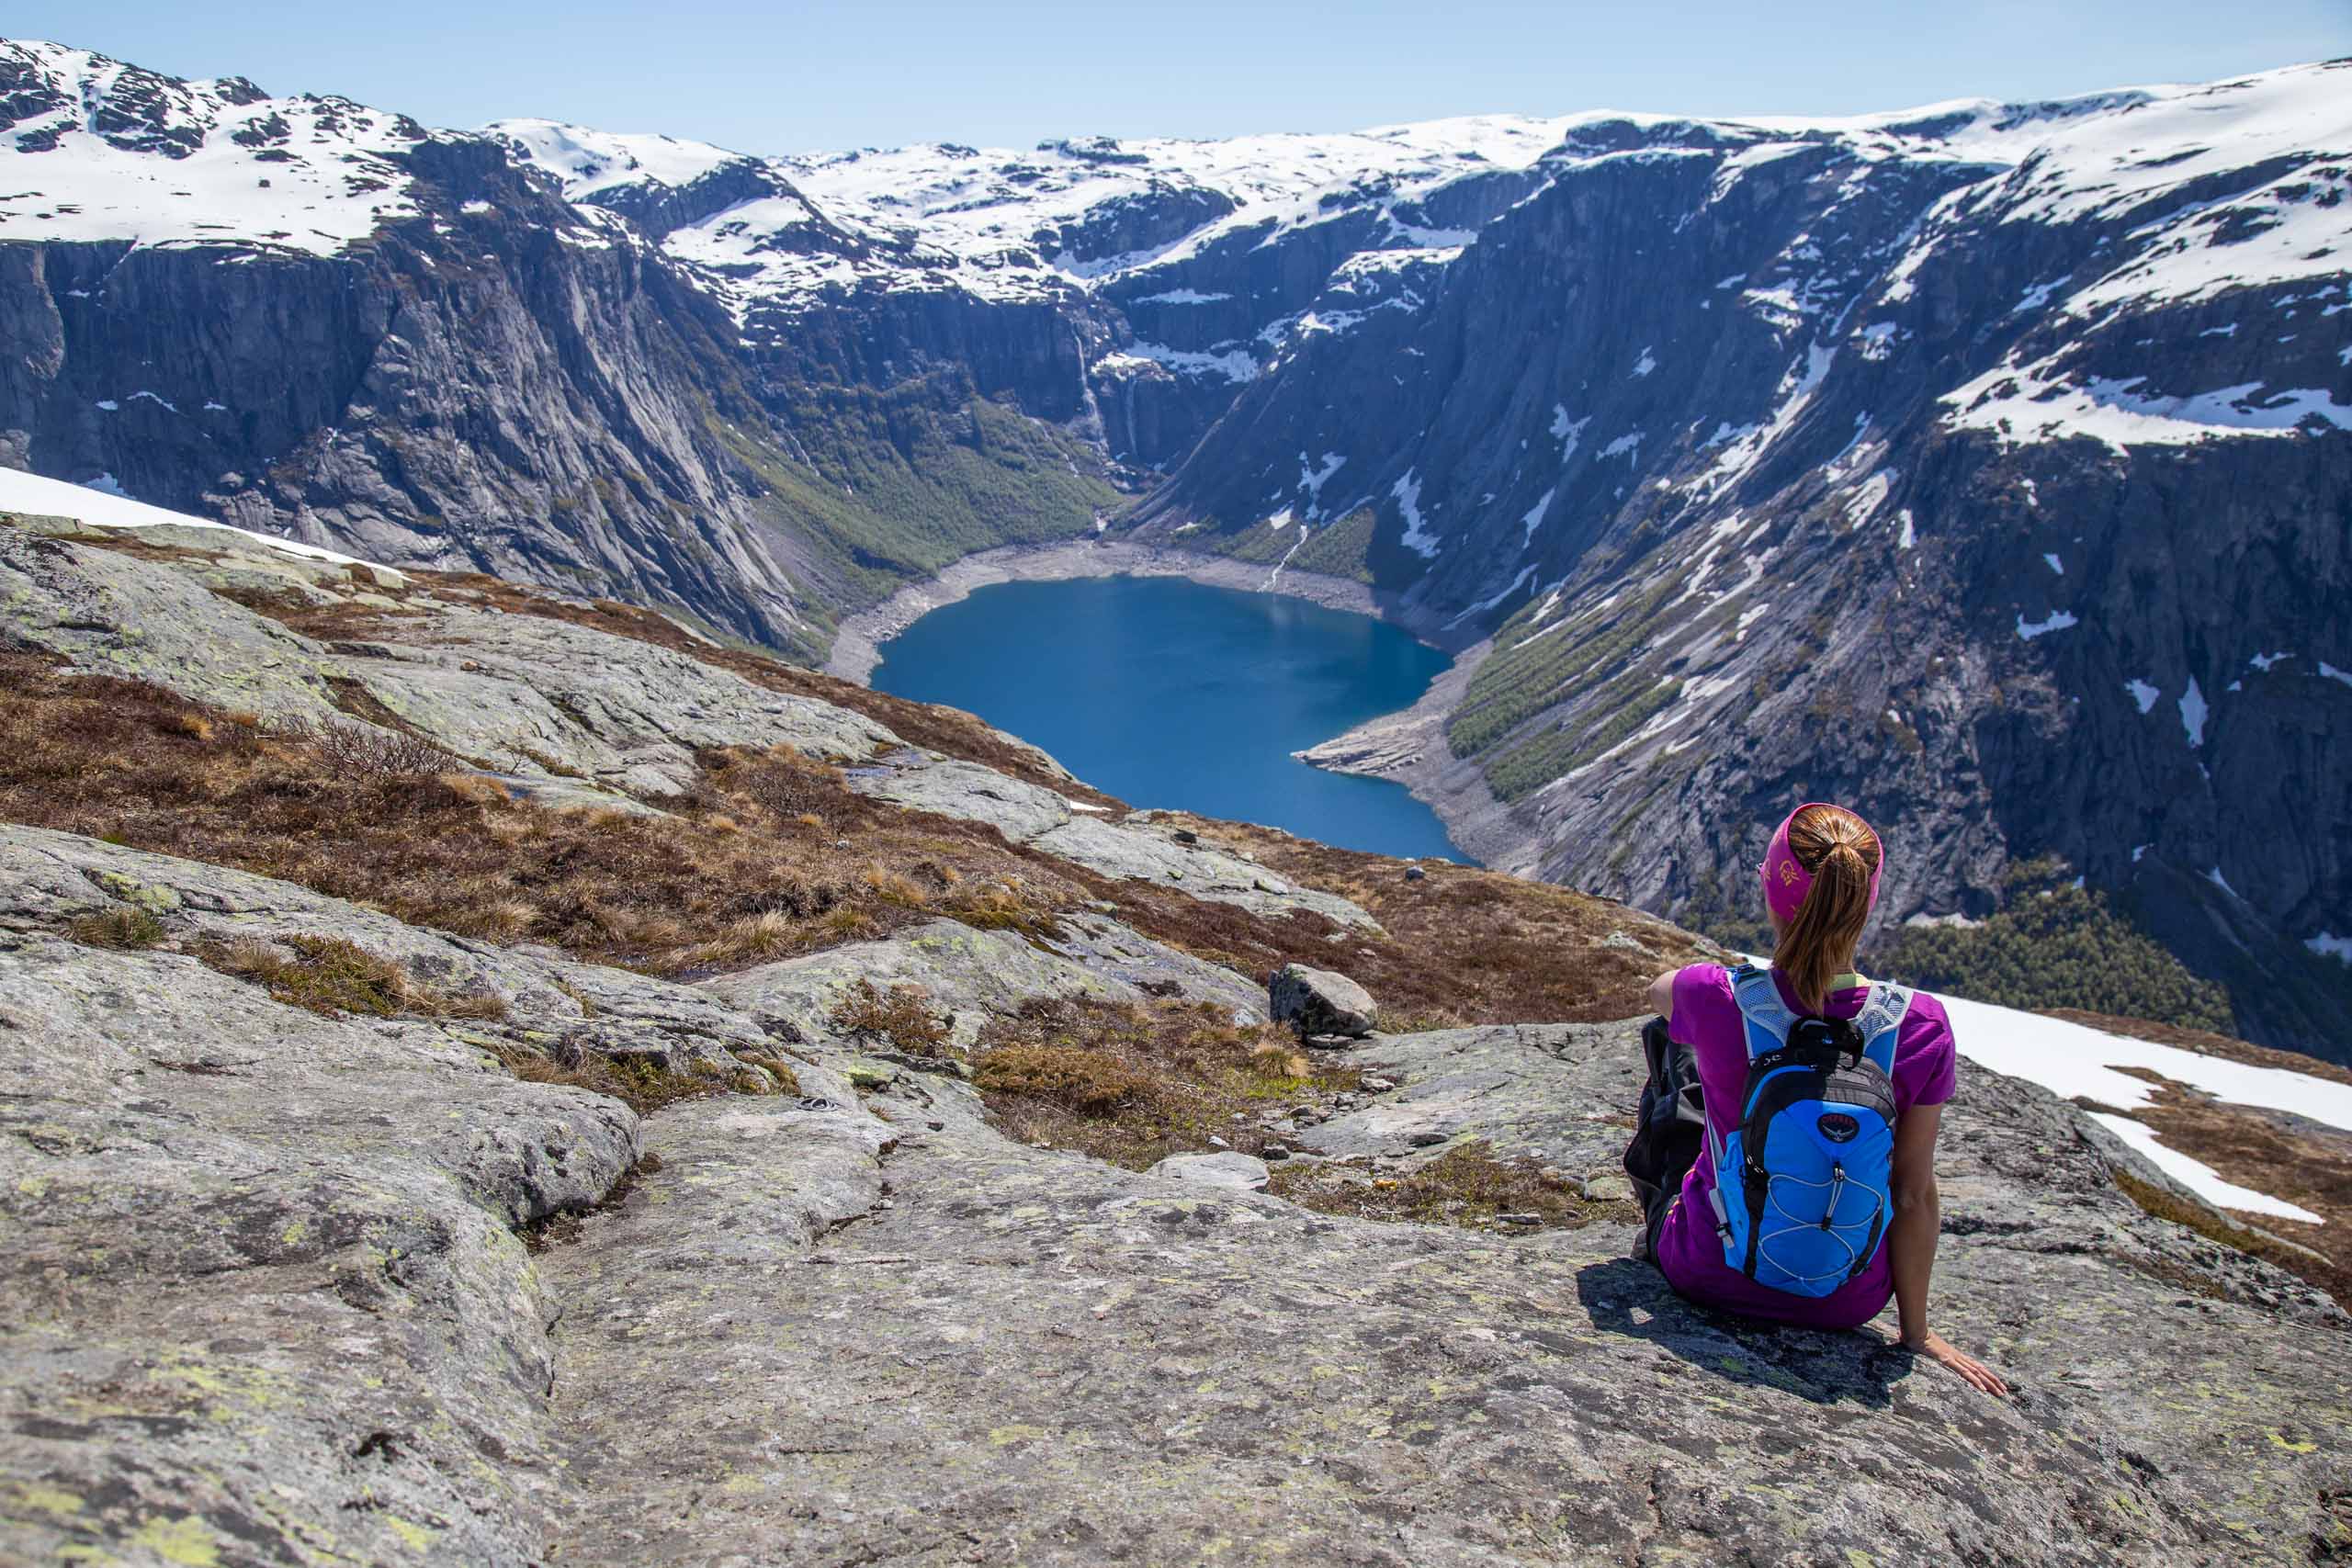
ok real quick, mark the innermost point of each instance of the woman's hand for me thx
(1978, 1375)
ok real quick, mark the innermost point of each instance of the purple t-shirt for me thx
(1690, 1253)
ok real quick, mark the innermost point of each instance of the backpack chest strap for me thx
(1767, 1020)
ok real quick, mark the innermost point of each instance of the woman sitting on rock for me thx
(1786, 1152)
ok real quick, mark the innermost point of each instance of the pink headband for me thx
(1786, 883)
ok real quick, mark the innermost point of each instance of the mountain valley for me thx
(1988, 465)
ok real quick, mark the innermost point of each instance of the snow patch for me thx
(102, 504)
(2072, 1061)
(1417, 536)
(2058, 622)
(2198, 1176)
(1534, 518)
(2145, 695)
(1236, 364)
(2193, 713)
(2023, 405)
(1179, 296)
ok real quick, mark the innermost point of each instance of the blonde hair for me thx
(1841, 853)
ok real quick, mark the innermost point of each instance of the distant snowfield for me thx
(301, 174)
(21, 491)
(2071, 1061)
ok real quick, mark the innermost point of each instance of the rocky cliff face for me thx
(1986, 465)
(301, 316)
(390, 1280)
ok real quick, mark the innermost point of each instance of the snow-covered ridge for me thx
(92, 149)
(102, 150)
(589, 161)
(1070, 217)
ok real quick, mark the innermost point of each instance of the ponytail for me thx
(1841, 853)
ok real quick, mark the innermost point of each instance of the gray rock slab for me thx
(1113, 951)
(1020, 810)
(1562, 1093)
(1142, 855)
(1225, 1169)
(261, 1294)
(619, 711)
(111, 614)
(586, 710)
(1029, 814)
(959, 968)
(1034, 1357)
(49, 878)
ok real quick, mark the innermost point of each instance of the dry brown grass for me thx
(330, 975)
(1467, 1186)
(1466, 945)
(674, 894)
(2309, 1167)
(750, 865)
(1134, 1084)
(787, 1081)
(364, 749)
(641, 1083)
(902, 1016)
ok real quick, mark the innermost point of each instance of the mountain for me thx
(1986, 465)
(497, 1078)
(304, 316)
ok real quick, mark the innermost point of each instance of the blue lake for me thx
(1169, 693)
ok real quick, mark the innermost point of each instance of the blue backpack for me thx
(1802, 1184)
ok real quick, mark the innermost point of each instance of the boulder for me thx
(1229, 1169)
(1320, 1001)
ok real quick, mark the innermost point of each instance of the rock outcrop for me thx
(1230, 1171)
(565, 712)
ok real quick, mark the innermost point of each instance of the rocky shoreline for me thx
(857, 644)
(1407, 748)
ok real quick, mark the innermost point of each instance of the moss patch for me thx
(1468, 1186)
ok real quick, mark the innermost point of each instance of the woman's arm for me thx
(1662, 997)
(1911, 1243)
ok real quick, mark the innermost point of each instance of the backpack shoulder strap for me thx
(1767, 1016)
(1880, 1021)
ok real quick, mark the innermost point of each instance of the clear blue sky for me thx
(805, 75)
